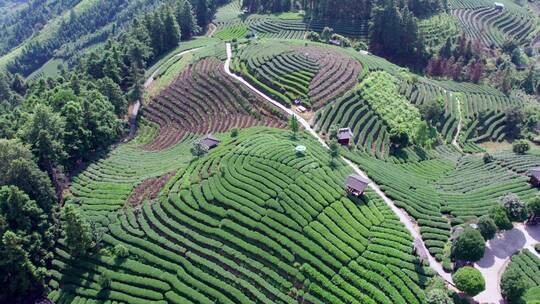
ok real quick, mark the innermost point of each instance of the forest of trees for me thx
(393, 26)
(18, 26)
(51, 127)
(96, 24)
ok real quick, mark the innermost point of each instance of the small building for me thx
(355, 184)
(301, 109)
(364, 52)
(473, 226)
(499, 6)
(300, 149)
(297, 101)
(210, 141)
(344, 136)
(522, 67)
(335, 42)
(419, 250)
(534, 173)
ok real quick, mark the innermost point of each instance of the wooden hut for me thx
(534, 174)
(210, 141)
(499, 6)
(344, 136)
(355, 184)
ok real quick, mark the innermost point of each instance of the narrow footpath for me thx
(460, 125)
(402, 215)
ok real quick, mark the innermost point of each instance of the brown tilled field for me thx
(204, 99)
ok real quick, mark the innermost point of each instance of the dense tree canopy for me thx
(393, 33)
(469, 280)
(27, 223)
(469, 246)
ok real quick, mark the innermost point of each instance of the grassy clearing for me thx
(49, 69)
(167, 74)
(197, 42)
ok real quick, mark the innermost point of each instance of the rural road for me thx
(402, 215)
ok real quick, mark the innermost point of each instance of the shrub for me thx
(199, 149)
(469, 280)
(469, 246)
(534, 206)
(487, 227)
(104, 280)
(333, 131)
(234, 132)
(447, 265)
(121, 251)
(360, 46)
(520, 146)
(487, 158)
(438, 296)
(334, 149)
(333, 163)
(515, 209)
(498, 214)
(313, 36)
(513, 285)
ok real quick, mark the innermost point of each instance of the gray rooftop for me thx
(535, 172)
(344, 133)
(356, 182)
(210, 141)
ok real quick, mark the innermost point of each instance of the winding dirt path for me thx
(402, 215)
(460, 124)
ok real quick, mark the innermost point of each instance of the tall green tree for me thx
(171, 35)
(186, 19)
(77, 230)
(294, 125)
(18, 169)
(44, 132)
(469, 246)
(27, 224)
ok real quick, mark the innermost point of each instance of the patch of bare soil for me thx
(148, 189)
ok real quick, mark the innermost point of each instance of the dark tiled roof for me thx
(210, 141)
(535, 172)
(356, 182)
(344, 133)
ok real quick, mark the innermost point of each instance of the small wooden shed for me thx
(534, 174)
(499, 6)
(210, 141)
(344, 136)
(356, 184)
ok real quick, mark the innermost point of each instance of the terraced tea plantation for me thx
(203, 99)
(289, 73)
(251, 222)
(484, 22)
(446, 188)
(527, 265)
